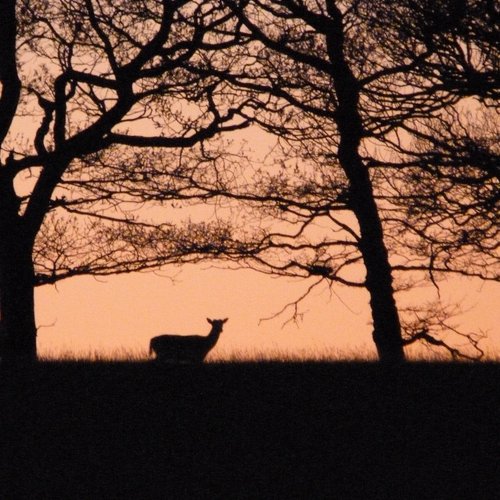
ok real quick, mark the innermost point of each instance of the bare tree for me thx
(349, 88)
(363, 96)
(306, 62)
(444, 165)
(95, 79)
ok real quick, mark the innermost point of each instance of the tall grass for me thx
(94, 355)
(327, 354)
(322, 355)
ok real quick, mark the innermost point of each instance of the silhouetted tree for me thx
(96, 81)
(305, 59)
(343, 83)
(363, 95)
(445, 173)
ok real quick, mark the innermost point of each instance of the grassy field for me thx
(262, 430)
(324, 354)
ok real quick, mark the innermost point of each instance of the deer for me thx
(186, 348)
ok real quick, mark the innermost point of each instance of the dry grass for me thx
(287, 356)
(217, 356)
(95, 355)
(327, 354)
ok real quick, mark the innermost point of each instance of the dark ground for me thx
(263, 431)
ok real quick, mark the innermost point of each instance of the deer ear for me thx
(209, 320)
(224, 320)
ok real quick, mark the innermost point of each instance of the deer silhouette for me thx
(186, 348)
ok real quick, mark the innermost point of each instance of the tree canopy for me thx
(386, 170)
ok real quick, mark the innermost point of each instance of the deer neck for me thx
(214, 334)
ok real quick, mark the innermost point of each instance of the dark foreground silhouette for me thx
(312, 431)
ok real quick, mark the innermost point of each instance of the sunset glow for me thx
(324, 175)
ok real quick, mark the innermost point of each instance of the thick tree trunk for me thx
(17, 322)
(17, 308)
(17, 312)
(17, 280)
(386, 324)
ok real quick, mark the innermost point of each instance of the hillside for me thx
(262, 430)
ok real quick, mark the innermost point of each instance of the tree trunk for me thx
(17, 280)
(386, 324)
(17, 307)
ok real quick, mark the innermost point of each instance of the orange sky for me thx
(87, 314)
(126, 311)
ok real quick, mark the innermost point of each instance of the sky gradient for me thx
(124, 312)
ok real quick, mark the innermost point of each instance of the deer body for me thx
(186, 348)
